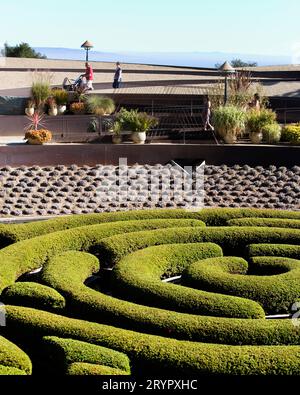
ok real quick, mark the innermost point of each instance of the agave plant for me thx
(36, 121)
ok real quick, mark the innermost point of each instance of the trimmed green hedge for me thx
(169, 342)
(266, 222)
(67, 351)
(276, 293)
(280, 250)
(220, 216)
(138, 277)
(165, 355)
(11, 233)
(12, 357)
(233, 240)
(9, 371)
(291, 133)
(33, 295)
(28, 255)
(212, 217)
(96, 306)
(88, 369)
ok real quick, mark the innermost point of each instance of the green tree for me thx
(238, 63)
(22, 50)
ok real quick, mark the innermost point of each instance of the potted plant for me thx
(229, 122)
(78, 108)
(100, 105)
(33, 134)
(30, 108)
(271, 133)
(291, 134)
(139, 123)
(40, 92)
(117, 136)
(256, 121)
(61, 97)
(52, 107)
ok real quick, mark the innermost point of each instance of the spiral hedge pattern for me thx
(90, 295)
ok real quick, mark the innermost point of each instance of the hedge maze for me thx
(160, 291)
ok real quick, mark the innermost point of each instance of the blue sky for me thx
(269, 27)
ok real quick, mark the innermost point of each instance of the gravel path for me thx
(73, 190)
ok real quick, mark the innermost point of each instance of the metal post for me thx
(226, 90)
(87, 55)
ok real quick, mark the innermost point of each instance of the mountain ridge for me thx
(189, 59)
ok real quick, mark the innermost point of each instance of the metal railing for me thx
(285, 114)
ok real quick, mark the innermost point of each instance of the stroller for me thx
(74, 85)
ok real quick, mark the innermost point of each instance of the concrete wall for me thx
(92, 154)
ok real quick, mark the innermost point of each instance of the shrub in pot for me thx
(229, 122)
(78, 108)
(256, 120)
(61, 98)
(100, 105)
(40, 92)
(291, 134)
(30, 108)
(38, 137)
(117, 136)
(139, 123)
(34, 134)
(271, 133)
(52, 107)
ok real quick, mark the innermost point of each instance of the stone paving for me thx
(61, 190)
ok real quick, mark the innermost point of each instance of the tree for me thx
(22, 50)
(238, 63)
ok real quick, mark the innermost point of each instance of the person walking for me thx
(118, 76)
(206, 114)
(89, 77)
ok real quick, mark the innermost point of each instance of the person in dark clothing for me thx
(118, 76)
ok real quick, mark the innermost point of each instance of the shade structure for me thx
(227, 68)
(87, 45)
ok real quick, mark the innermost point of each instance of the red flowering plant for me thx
(33, 134)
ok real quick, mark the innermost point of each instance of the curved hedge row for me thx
(96, 306)
(156, 332)
(232, 240)
(276, 293)
(64, 352)
(280, 250)
(266, 222)
(212, 217)
(33, 295)
(9, 371)
(12, 357)
(11, 233)
(28, 255)
(88, 369)
(173, 356)
(138, 277)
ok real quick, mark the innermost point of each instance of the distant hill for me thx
(192, 59)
